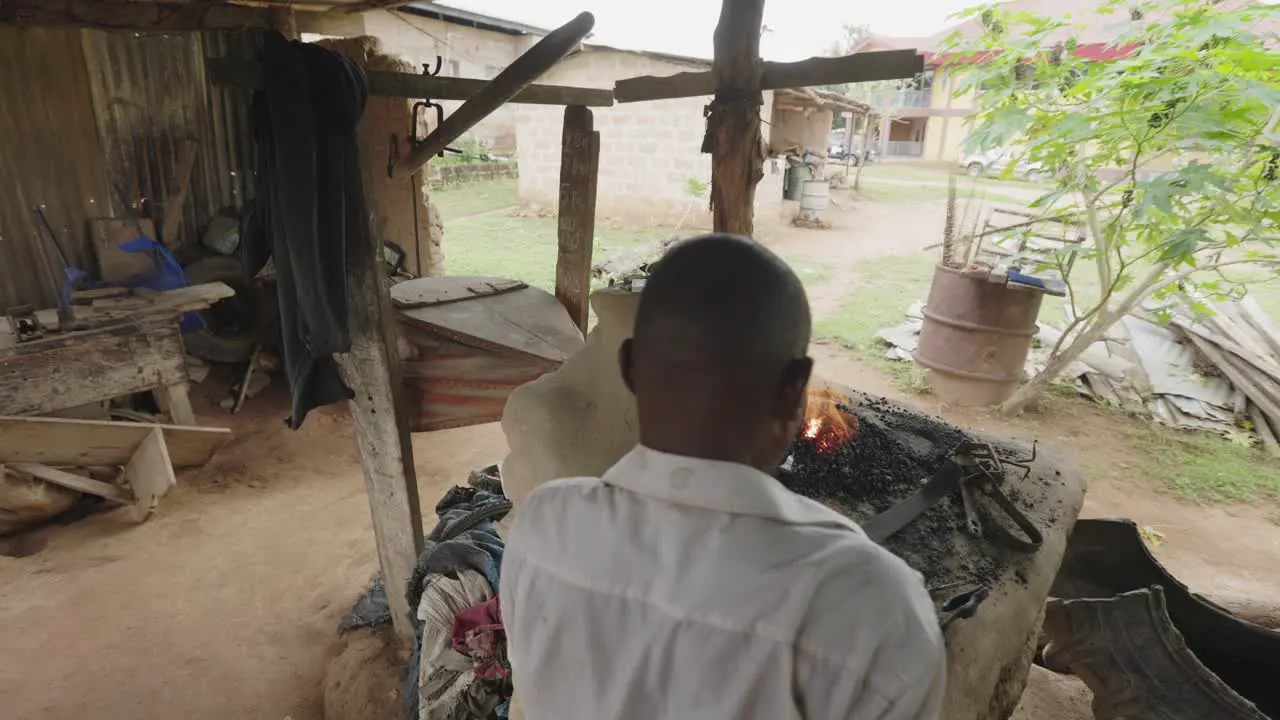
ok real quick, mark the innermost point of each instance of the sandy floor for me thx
(225, 604)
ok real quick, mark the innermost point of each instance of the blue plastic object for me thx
(168, 275)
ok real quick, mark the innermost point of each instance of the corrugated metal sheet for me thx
(92, 124)
(151, 97)
(49, 155)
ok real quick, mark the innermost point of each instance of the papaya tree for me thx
(1161, 141)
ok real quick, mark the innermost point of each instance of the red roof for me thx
(1095, 33)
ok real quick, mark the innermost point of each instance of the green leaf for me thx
(1183, 243)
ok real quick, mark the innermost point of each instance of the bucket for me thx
(975, 337)
(813, 200)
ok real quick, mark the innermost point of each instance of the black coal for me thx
(893, 452)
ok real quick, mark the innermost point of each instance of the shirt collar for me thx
(717, 485)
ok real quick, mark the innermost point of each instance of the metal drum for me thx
(975, 337)
(813, 200)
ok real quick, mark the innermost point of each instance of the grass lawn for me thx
(524, 248)
(463, 200)
(1200, 467)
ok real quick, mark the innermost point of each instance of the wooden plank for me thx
(247, 74)
(1257, 319)
(422, 292)
(149, 474)
(175, 401)
(529, 321)
(1227, 341)
(372, 371)
(576, 226)
(1242, 376)
(452, 88)
(61, 372)
(115, 266)
(142, 303)
(515, 77)
(58, 441)
(861, 67)
(173, 205)
(1262, 426)
(733, 126)
(73, 481)
(132, 15)
(367, 5)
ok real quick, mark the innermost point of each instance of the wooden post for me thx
(864, 151)
(579, 167)
(733, 126)
(372, 371)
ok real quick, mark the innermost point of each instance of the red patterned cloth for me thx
(478, 633)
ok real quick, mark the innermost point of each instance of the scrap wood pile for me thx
(628, 269)
(47, 465)
(1216, 372)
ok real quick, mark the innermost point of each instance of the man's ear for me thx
(793, 389)
(624, 364)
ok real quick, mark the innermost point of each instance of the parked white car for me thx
(994, 162)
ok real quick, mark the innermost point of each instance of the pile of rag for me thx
(459, 669)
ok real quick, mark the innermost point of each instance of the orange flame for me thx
(825, 426)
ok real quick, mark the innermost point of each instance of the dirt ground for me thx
(225, 604)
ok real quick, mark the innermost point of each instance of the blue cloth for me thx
(167, 275)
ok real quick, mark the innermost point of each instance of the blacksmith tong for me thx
(973, 468)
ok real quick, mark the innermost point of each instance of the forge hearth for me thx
(580, 419)
(860, 455)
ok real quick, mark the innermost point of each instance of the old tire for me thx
(975, 169)
(233, 323)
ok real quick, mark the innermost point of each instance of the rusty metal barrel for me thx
(975, 337)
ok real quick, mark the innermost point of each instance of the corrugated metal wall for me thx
(49, 155)
(92, 124)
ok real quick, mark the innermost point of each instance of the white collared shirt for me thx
(690, 589)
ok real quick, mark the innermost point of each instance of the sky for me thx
(797, 29)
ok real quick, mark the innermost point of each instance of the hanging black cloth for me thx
(312, 207)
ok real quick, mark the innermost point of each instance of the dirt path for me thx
(859, 230)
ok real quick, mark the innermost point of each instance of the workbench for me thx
(126, 346)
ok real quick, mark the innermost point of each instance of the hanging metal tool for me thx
(508, 83)
(62, 277)
(424, 105)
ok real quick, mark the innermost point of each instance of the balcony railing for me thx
(917, 98)
(903, 148)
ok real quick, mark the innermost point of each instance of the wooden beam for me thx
(733, 126)
(247, 74)
(579, 169)
(861, 67)
(371, 370)
(72, 481)
(517, 76)
(367, 5)
(60, 441)
(133, 15)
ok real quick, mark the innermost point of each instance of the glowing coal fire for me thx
(826, 426)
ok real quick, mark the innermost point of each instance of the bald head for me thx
(717, 360)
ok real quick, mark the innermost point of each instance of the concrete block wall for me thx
(648, 150)
(809, 130)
